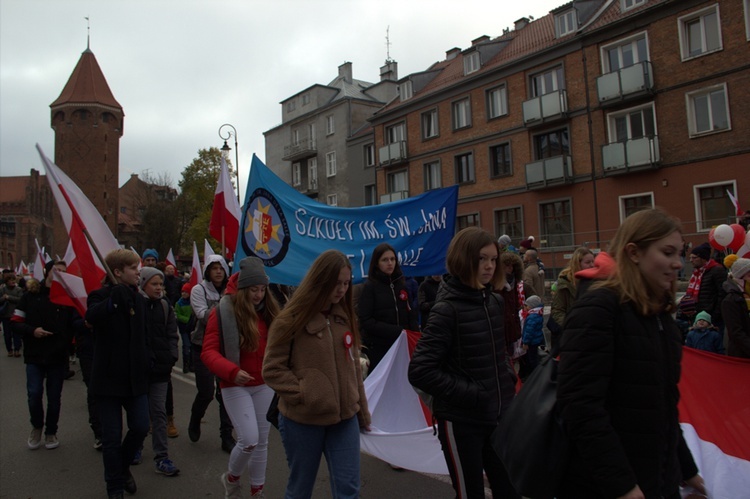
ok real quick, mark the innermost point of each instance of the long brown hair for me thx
(462, 260)
(643, 229)
(310, 297)
(574, 265)
(247, 317)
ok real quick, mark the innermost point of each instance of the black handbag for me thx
(272, 415)
(530, 439)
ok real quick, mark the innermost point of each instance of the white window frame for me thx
(502, 102)
(405, 90)
(461, 113)
(332, 200)
(330, 125)
(690, 105)
(566, 23)
(312, 174)
(311, 133)
(369, 154)
(430, 121)
(626, 5)
(391, 183)
(471, 62)
(611, 117)
(700, 226)
(682, 23)
(295, 137)
(331, 164)
(604, 52)
(622, 199)
(395, 133)
(438, 173)
(296, 174)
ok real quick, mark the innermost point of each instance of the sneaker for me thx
(166, 467)
(98, 443)
(35, 438)
(51, 442)
(138, 458)
(130, 485)
(231, 490)
(258, 494)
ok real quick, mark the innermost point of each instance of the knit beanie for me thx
(504, 240)
(148, 273)
(740, 268)
(702, 251)
(187, 288)
(151, 252)
(533, 301)
(527, 243)
(252, 273)
(705, 316)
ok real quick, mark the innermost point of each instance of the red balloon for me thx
(739, 237)
(714, 244)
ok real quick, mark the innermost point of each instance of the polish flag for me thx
(715, 417)
(736, 203)
(195, 271)
(75, 207)
(140, 260)
(39, 263)
(225, 217)
(22, 269)
(207, 251)
(170, 259)
(69, 290)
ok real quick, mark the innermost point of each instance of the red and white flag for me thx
(715, 418)
(207, 251)
(736, 203)
(39, 263)
(171, 260)
(195, 271)
(22, 269)
(68, 289)
(76, 208)
(225, 217)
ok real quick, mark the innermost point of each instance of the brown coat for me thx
(322, 384)
(533, 281)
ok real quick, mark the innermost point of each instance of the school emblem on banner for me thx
(265, 232)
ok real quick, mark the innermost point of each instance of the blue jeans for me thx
(35, 375)
(304, 444)
(117, 452)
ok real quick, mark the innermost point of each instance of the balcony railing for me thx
(549, 171)
(621, 157)
(631, 81)
(547, 107)
(392, 153)
(303, 149)
(393, 196)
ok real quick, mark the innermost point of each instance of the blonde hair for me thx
(120, 258)
(247, 317)
(311, 296)
(643, 229)
(462, 260)
(574, 265)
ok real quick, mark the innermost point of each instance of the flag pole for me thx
(223, 250)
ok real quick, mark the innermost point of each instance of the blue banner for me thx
(288, 230)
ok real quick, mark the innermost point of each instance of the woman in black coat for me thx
(461, 360)
(619, 370)
(384, 306)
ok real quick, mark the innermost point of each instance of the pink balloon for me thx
(738, 237)
(723, 235)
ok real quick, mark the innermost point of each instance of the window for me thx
(629, 4)
(464, 168)
(305, 99)
(311, 134)
(551, 144)
(369, 152)
(632, 124)
(547, 82)
(471, 62)
(312, 174)
(332, 200)
(430, 124)
(500, 161)
(497, 102)
(432, 175)
(708, 110)
(636, 202)
(405, 90)
(371, 194)
(713, 206)
(566, 23)
(395, 133)
(329, 125)
(290, 106)
(625, 53)
(700, 32)
(398, 181)
(461, 113)
(509, 221)
(471, 220)
(295, 137)
(557, 223)
(331, 164)
(296, 174)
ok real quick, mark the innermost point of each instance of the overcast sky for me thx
(182, 68)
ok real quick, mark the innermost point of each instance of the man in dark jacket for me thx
(735, 309)
(47, 329)
(709, 277)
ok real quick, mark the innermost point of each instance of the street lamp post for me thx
(225, 150)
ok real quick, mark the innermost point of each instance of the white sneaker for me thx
(51, 442)
(231, 490)
(35, 438)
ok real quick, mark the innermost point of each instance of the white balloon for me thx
(723, 234)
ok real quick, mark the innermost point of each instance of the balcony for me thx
(626, 83)
(308, 188)
(549, 171)
(304, 149)
(546, 108)
(393, 196)
(633, 154)
(392, 154)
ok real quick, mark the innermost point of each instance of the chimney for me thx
(345, 71)
(521, 23)
(481, 39)
(389, 72)
(451, 54)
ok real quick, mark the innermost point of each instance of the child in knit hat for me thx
(703, 335)
(533, 334)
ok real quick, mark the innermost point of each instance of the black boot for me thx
(194, 428)
(227, 443)
(185, 367)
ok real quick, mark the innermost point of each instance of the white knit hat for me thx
(533, 301)
(740, 268)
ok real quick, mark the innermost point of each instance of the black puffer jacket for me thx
(162, 339)
(384, 311)
(461, 357)
(617, 393)
(712, 292)
(737, 321)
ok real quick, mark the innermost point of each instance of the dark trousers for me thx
(86, 363)
(118, 452)
(13, 340)
(208, 387)
(54, 374)
(468, 453)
